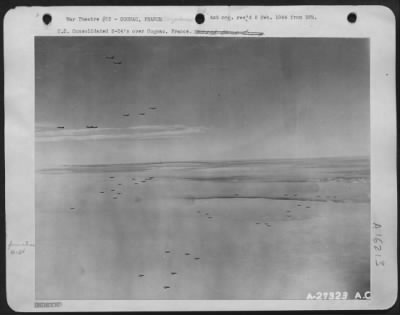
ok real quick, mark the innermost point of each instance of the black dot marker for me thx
(199, 18)
(352, 17)
(46, 18)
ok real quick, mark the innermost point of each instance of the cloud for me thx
(144, 132)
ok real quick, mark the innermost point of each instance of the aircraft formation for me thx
(113, 60)
(116, 62)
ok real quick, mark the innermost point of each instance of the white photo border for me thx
(23, 24)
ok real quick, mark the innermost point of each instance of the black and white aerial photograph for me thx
(202, 168)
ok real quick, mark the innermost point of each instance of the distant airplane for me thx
(153, 108)
(110, 57)
(142, 114)
(117, 63)
(126, 115)
(90, 127)
(60, 127)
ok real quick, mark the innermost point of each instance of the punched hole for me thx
(199, 18)
(46, 19)
(352, 17)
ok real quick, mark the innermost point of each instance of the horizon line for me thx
(216, 161)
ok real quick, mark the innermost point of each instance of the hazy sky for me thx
(225, 98)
